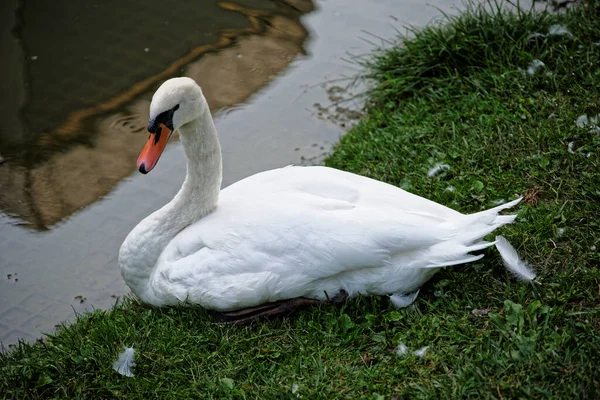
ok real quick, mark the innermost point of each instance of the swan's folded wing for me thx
(269, 253)
(265, 243)
(314, 237)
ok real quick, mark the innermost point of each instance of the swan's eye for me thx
(165, 117)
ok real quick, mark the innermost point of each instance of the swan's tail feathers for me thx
(512, 261)
(470, 231)
(467, 259)
(501, 207)
(474, 234)
(473, 227)
(455, 254)
(490, 216)
(480, 246)
(504, 219)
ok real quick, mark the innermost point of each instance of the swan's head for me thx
(175, 103)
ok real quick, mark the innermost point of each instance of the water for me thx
(79, 92)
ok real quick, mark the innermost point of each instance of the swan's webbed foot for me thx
(275, 309)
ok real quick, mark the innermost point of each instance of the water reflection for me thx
(88, 77)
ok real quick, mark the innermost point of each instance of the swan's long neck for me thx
(197, 197)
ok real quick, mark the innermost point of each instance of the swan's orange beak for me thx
(153, 149)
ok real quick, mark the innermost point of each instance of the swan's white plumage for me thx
(289, 232)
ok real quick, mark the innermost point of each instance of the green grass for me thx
(456, 94)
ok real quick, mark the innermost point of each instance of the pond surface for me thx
(76, 95)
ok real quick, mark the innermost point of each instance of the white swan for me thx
(309, 232)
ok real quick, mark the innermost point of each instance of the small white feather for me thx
(421, 352)
(534, 66)
(437, 168)
(480, 312)
(582, 121)
(512, 261)
(125, 362)
(401, 349)
(559, 30)
(403, 300)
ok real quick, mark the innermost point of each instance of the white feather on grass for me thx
(582, 121)
(125, 362)
(421, 352)
(401, 349)
(559, 30)
(480, 312)
(437, 168)
(534, 66)
(512, 261)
